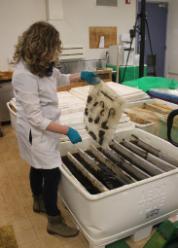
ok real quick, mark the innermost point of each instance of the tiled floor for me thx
(16, 202)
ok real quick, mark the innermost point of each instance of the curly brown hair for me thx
(38, 46)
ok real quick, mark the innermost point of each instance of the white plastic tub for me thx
(109, 216)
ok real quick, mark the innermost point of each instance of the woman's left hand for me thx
(90, 77)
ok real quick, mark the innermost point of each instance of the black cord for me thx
(149, 36)
(151, 47)
(132, 34)
(127, 60)
(136, 29)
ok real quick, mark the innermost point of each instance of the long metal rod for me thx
(100, 170)
(130, 168)
(139, 142)
(134, 158)
(145, 146)
(125, 178)
(163, 165)
(87, 174)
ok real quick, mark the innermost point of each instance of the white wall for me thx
(78, 15)
(15, 17)
(172, 40)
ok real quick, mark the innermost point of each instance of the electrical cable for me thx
(132, 36)
(151, 47)
(136, 29)
(149, 37)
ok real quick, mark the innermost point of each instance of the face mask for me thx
(49, 69)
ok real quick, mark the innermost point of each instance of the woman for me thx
(35, 81)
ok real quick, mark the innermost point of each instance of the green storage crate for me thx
(147, 83)
(118, 244)
(132, 72)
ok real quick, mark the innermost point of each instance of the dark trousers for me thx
(45, 182)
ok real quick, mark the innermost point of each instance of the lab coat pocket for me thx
(35, 136)
(50, 141)
(30, 137)
(44, 141)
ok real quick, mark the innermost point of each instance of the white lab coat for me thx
(37, 106)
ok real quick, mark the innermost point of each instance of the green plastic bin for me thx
(132, 72)
(147, 83)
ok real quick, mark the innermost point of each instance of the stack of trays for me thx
(130, 94)
(69, 103)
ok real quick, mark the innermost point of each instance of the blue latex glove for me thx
(90, 77)
(73, 135)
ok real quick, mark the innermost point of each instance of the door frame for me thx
(136, 41)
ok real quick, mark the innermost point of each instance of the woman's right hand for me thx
(73, 135)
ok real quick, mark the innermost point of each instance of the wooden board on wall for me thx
(109, 33)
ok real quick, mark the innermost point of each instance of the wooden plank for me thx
(105, 75)
(6, 75)
(109, 33)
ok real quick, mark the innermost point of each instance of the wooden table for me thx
(72, 85)
(104, 74)
(5, 76)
